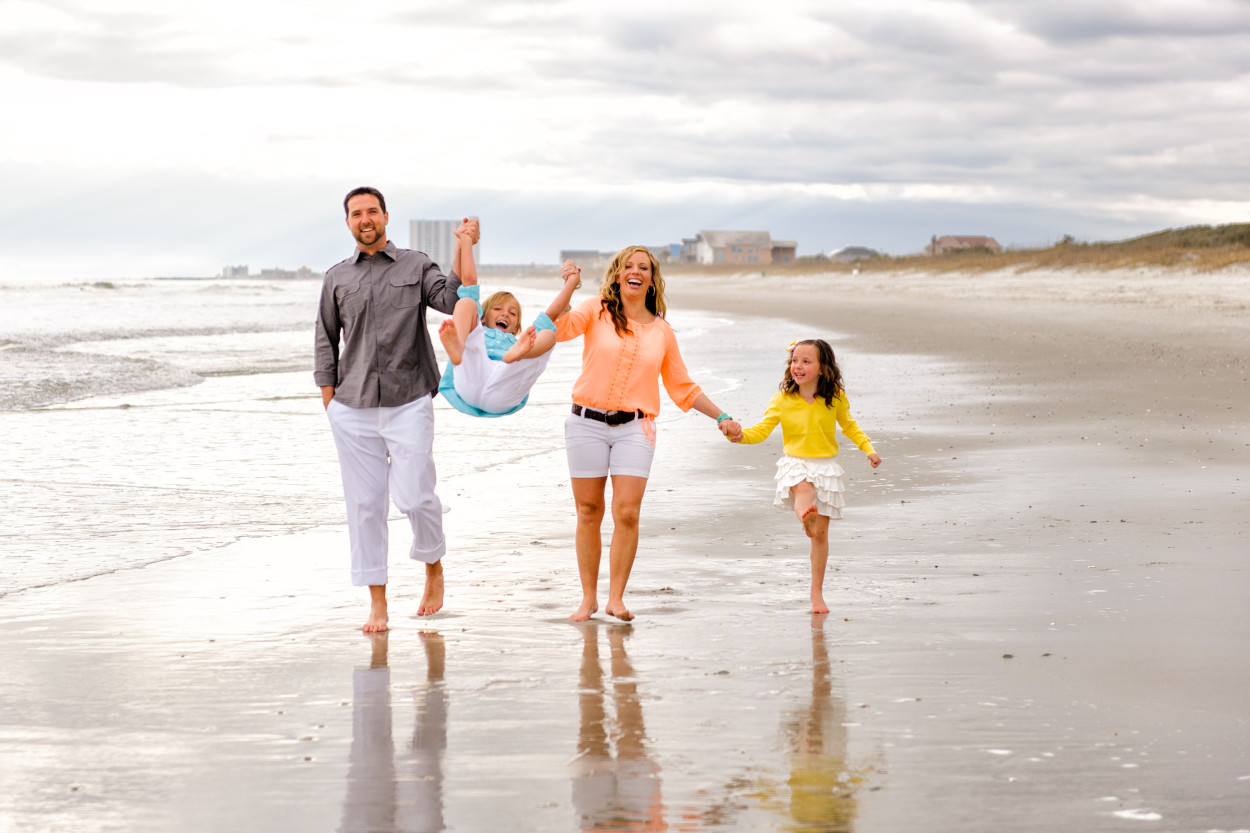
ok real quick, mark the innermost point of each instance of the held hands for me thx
(469, 228)
(732, 430)
(571, 270)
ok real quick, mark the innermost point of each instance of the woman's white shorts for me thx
(595, 449)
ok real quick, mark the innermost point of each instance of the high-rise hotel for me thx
(437, 238)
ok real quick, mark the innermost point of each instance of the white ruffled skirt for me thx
(822, 472)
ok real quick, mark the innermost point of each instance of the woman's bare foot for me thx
(432, 598)
(451, 341)
(584, 611)
(377, 610)
(809, 519)
(818, 603)
(524, 344)
(619, 611)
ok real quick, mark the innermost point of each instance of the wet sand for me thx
(1038, 611)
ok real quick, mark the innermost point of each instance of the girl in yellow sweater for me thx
(810, 405)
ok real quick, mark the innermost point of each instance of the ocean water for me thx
(154, 419)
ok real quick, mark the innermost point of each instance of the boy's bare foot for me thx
(620, 612)
(377, 610)
(432, 598)
(583, 613)
(524, 344)
(451, 341)
(809, 519)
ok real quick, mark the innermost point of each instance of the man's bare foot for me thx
(451, 341)
(377, 610)
(619, 611)
(583, 613)
(432, 598)
(818, 604)
(524, 344)
(809, 519)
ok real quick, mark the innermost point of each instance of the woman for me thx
(611, 432)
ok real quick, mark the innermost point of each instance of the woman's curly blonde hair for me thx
(610, 290)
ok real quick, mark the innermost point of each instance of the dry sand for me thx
(1039, 612)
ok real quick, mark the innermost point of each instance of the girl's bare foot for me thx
(583, 613)
(524, 344)
(809, 519)
(818, 604)
(451, 341)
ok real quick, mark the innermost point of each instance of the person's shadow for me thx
(613, 790)
(396, 793)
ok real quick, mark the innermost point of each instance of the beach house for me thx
(751, 247)
(955, 243)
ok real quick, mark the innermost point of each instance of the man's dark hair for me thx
(364, 189)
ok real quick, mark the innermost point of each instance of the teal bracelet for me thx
(723, 416)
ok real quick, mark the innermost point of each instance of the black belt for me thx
(608, 417)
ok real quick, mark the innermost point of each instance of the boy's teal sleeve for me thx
(544, 322)
(473, 293)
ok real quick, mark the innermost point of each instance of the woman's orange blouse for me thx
(619, 372)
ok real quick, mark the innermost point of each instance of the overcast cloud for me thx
(162, 138)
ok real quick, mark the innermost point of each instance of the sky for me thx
(147, 138)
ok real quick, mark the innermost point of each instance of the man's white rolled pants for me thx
(387, 453)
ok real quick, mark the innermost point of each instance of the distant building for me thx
(302, 273)
(955, 243)
(850, 254)
(745, 247)
(689, 250)
(783, 251)
(437, 238)
(665, 252)
(591, 260)
(753, 247)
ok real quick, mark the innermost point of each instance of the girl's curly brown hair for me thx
(828, 383)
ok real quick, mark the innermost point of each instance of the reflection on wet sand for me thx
(822, 790)
(621, 791)
(386, 791)
(819, 795)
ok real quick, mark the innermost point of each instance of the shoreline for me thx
(1038, 606)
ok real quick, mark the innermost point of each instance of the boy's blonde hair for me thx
(495, 300)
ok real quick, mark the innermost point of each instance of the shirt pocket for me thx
(349, 298)
(404, 292)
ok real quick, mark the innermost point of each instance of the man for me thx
(377, 394)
